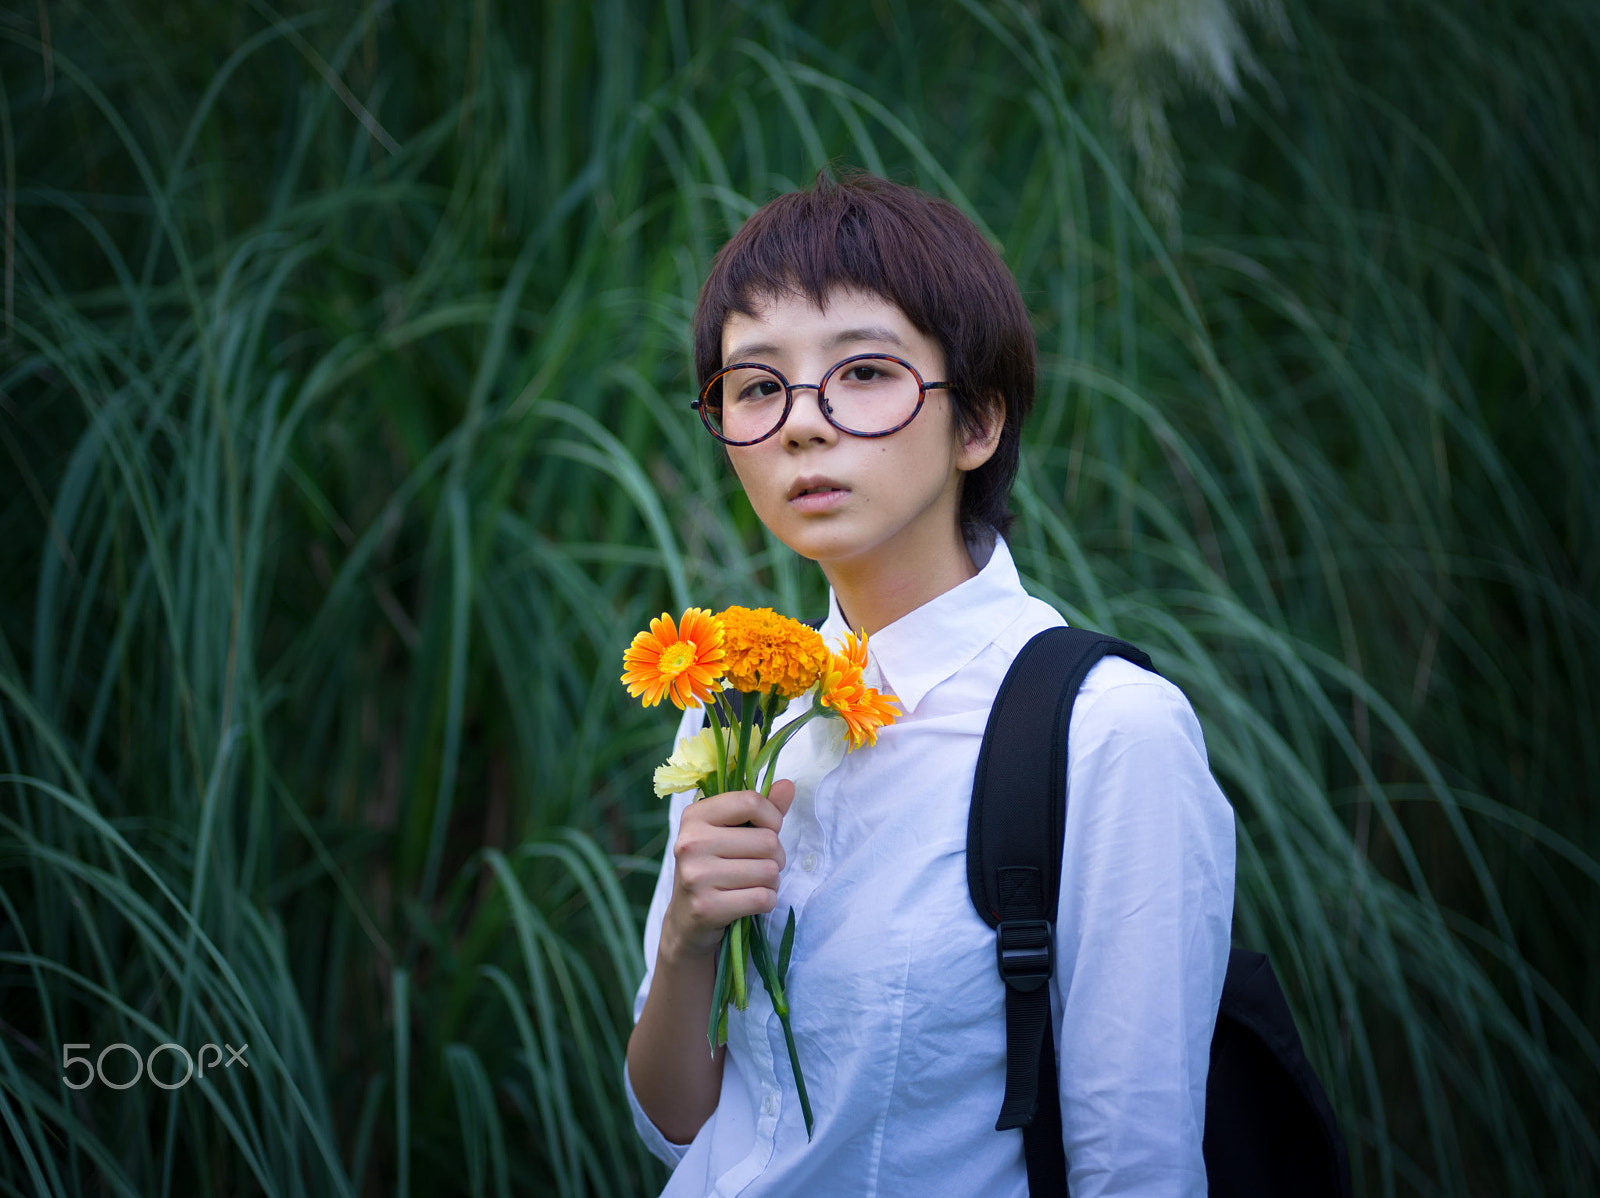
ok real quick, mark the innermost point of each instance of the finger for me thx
(770, 810)
(735, 904)
(782, 796)
(736, 874)
(734, 809)
(719, 908)
(742, 842)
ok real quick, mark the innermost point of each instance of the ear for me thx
(979, 448)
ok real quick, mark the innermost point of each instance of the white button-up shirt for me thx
(897, 1007)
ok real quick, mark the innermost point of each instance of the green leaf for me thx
(784, 948)
(762, 955)
(719, 994)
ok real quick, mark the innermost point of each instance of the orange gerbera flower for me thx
(861, 707)
(764, 651)
(681, 662)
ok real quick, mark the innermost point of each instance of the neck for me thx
(878, 588)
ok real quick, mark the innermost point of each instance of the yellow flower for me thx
(763, 651)
(842, 692)
(695, 760)
(681, 662)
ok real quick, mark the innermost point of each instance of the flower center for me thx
(677, 658)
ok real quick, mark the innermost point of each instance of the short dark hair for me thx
(923, 255)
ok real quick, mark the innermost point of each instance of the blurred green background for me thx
(345, 441)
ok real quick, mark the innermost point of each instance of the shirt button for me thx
(768, 1105)
(808, 862)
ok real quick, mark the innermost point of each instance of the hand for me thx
(727, 859)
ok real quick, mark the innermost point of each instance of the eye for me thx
(760, 388)
(863, 372)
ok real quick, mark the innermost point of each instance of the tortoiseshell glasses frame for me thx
(704, 405)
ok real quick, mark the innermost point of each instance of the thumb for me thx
(782, 795)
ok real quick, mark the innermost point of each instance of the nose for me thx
(805, 422)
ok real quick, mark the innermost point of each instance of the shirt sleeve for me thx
(1142, 936)
(658, 1144)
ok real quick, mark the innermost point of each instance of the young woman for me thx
(883, 366)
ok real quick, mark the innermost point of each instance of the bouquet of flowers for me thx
(770, 659)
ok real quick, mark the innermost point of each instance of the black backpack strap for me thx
(1014, 838)
(1269, 1126)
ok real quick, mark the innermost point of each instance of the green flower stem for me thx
(743, 775)
(736, 947)
(780, 1004)
(799, 1078)
(721, 718)
(768, 757)
(720, 782)
(748, 934)
(725, 709)
(769, 711)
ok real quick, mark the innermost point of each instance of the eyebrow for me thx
(759, 349)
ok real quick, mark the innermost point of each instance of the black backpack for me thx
(1269, 1128)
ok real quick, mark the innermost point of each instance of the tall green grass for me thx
(346, 441)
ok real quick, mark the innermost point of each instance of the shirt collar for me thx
(925, 646)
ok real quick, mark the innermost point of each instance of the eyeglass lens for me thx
(866, 395)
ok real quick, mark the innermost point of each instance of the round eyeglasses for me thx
(867, 395)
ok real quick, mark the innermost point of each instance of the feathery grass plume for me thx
(1146, 47)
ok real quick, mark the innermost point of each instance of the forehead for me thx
(792, 323)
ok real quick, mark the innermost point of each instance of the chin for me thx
(811, 548)
(815, 544)
(825, 550)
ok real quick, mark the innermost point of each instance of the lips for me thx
(813, 485)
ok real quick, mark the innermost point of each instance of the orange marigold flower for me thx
(764, 651)
(679, 661)
(861, 707)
